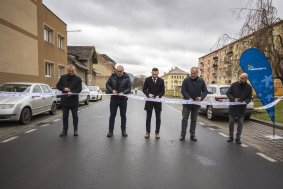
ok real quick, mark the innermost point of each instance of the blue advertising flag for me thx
(256, 65)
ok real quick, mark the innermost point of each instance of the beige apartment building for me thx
(32, 42)
(105, 67)
(223, 65)
(173, 80)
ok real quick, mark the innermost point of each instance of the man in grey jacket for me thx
(193, 88)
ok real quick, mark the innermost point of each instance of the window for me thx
(61, 71)
(61, 42)
(46, 89)
(36, 89)
(48, 69)
(223, 90)
(48, 34)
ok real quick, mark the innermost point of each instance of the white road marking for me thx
(222, 134)
(244, 145)
(29, 131)
(201, 123)
(211, 129)
(78, 111)
(56, 120)
(44, 125)
(266, 157)
(9, 139)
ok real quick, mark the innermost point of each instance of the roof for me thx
(82, 52)
(24, 83)
(176, 70)
(107, 58)
(73, 60)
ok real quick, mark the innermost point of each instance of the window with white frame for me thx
(61, 42)
(48, 32)
(48, 69)
(61, 71)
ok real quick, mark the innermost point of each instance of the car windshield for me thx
(15, 88)
(93, 88)
(223, 90)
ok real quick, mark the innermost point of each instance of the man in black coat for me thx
(118, 84)
(153, 88)
(193, 88)
(68, 84)
(239, 91)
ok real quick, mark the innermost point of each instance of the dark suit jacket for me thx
(75, 84)
(157, 89)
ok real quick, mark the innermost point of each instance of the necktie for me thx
(154, 80)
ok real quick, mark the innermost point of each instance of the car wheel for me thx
(87, 100)
(209, 113)
(101, 97)
(96, 98)
(53, 109)
(25, 116)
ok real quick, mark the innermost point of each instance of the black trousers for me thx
(66, 110)
(114, 104)
(148, 120)
(187, 110)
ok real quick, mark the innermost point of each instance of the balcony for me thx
(215, 58)
(215, 65)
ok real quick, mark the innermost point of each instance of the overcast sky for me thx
(142, 34)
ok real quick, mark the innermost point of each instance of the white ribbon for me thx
(164, 100)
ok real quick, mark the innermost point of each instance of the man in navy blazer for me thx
(153, 88)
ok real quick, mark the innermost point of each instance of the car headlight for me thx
(6, 106)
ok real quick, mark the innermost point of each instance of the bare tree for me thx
(258, 31)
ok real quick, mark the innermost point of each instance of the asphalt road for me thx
(41, 159)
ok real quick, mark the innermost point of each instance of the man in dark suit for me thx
(69, 84)
(153, 88)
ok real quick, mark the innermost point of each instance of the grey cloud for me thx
(143, 33)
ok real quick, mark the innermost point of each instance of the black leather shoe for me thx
(76, 133)
(194, 138)
(238, 141)
(182, 138)
(230, 139)
(110, 134)
(64, 133)
(124, 134)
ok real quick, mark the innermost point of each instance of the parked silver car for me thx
(217, 93)
(22, 108)
(95, 93)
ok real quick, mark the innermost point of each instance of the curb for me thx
(269, 124)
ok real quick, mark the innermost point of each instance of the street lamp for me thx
(74, 30)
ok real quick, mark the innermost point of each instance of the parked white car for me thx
(95, 93)
(22, 108)
(217, 93)
(84, 96)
